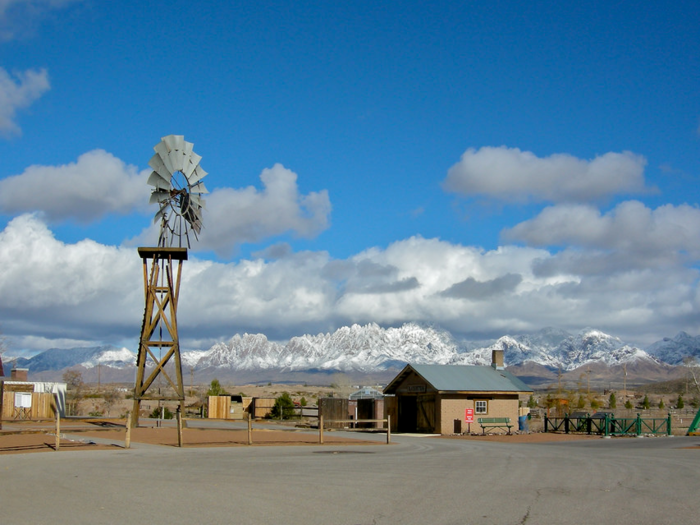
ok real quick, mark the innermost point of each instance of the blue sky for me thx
(487, 167)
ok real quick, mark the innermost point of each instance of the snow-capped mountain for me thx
(372, 349)
(90, 357)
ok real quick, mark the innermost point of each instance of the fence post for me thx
(546, 419)
(566, 423)
(58, 429)
(639, 425)
(668, 425)
(250, 429)
(179, 427)
(388, 429)
(320, 430)
(127, 438)
(606, 431)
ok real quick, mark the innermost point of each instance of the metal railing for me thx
(609, 425)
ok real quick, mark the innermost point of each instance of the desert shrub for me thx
(283, 408)
(612, 402)
(167, 414)
(680, 403)
(628, 405)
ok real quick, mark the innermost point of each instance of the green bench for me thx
(495, 422)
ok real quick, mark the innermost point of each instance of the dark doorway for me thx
(408, 414)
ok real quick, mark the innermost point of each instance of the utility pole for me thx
(588, 377)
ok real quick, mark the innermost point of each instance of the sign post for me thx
(469, 419)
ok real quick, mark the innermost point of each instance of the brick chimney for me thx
(497, 361)
(19, 374)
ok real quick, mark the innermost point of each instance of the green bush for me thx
(215, 389)
(283, 408)
(612, 402)
(628, 405)
(167, 414)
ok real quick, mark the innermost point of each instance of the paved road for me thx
(414, 481)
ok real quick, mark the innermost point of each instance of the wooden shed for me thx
(433, 398)
(228, 406)
(32, 400)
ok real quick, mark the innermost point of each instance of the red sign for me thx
(469, 415)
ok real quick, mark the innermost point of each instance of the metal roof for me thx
(462, 379)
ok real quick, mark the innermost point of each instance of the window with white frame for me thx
(481, 407)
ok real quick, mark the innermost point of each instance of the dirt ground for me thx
(39, 437)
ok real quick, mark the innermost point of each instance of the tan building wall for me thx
(451, 407)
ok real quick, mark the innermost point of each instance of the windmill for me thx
(177, 189)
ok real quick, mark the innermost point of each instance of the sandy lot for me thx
(38, 437)
(27, 437)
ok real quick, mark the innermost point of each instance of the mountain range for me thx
(371, 351)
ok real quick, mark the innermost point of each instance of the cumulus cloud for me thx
(19, 93)
(95, 185)
(513, 175)
(630, 227)
(86, 290)
(234, 216)
(47, 286)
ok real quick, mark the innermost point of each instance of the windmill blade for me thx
(159, 196)
(176, 153)
(162, 150)
(198, 175)
(197, 200)
(157, 164)
(173, 141)
(191, 165)
(156, 180)
(162, 212)
(199, 188)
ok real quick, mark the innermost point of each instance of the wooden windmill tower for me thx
(178, 188)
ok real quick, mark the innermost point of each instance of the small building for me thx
(433, 398)
(24, 399)
(228, 406)
(367, 403)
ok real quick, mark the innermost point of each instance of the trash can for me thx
(522, 423)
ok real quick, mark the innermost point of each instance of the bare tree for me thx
(75, 387)
(111, 396)
(691, 363)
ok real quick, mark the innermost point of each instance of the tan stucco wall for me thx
(451, 407)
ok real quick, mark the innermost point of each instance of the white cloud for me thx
(47, 286)
(630, 227)
(520, 176)
(86, 291)
(234, 216)
(19, 93)
(95, 185)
